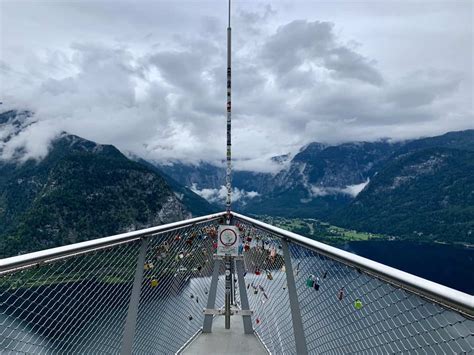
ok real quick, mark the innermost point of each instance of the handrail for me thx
(446, 296)
(21, 261)
(441, 294)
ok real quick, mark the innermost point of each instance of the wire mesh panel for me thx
(76, 305)
(347, 311)
(80, 304)
(267, 289)
(175, 288)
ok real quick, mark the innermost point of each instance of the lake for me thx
(448, 265)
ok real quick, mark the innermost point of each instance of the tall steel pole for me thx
(228, 259)
(229, 107)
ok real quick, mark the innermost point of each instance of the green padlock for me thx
(358, 304)
(310, 281)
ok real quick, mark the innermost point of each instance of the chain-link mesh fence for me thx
(76, 305)
(347, 311)
(267, 289)
(175, 289)
(79, 304)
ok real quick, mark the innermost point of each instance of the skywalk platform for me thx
(226, 341)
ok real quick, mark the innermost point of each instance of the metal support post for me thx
(300, 339)
(228, 285)
(211, 301)
(131, 322)
(247, 319)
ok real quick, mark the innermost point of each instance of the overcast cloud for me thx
(149, 77)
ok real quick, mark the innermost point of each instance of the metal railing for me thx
(349, 304)
(145, 291)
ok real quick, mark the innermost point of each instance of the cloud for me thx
(219, 195)
(350, 190)
(150, 79)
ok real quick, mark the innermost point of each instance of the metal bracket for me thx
(222, 257)
(220, 312)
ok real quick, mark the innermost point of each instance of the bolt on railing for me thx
(145, 292)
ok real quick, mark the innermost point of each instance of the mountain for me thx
(425, 194)
(321, 178)
(318, 179)
(83, 190)
(196, 204)
(208, 180)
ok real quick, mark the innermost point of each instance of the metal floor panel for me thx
(226, 341)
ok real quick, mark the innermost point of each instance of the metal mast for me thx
(229, 156)
(228, 259)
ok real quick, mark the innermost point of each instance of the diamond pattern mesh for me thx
(344, 310)
(80, 304)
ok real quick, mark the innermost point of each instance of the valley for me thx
(321, 231)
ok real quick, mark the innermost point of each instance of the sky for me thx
(150, 76)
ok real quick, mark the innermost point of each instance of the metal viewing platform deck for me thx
(151, 291)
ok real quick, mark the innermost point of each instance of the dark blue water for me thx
(452, 266)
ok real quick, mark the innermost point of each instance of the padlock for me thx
(257, 271)
(316, 284)
(190, 317)
(310, 281)
(340, 295)
(249, 239)
(146, 266)
(269, 275)
(246, 247)
(358, 304)
(325, 274)
(154, 282)
(255, 291)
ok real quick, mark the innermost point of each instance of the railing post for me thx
(244, 301)
(300, 339)
(211, 301)
(131, 322)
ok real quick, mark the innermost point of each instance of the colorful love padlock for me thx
(340, 295)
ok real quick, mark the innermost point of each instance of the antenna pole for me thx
(229, 156)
